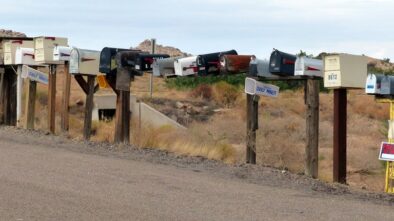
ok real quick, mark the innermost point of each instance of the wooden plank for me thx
(6, 99)
(2, 73)
(82, 83)
(51, 98)
(251, 127)
(19, 92)
(284, 78)
(126, 116)
(89, 107)
(64, 123)
(340, 132)
(118, 118)
(12, 99)
(312, 128)
(30, 105)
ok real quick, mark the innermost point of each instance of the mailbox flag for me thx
(254, 87)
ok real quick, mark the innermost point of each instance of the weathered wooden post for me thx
(252, 119)
(153, 49)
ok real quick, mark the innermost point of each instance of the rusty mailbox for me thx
(10, 47)
(282, 63)
(234, 63)
(44, 48)
(210, 63)
(83, 61)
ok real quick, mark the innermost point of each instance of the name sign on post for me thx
(254, 87)
(34, 75)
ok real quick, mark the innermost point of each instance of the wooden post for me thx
(312, 128)
(64, 124)
(6, 99)
(340, 118)
(89, 107)
(30, 105)
(2, 73)
(126, 116)
(19, 92)
(51, 98)
(12, 99)
(252, 106)
(118, 118)
(153, 44)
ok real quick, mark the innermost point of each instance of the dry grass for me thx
(225, 94)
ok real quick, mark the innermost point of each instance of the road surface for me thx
(41, 179)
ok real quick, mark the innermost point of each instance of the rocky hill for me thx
(160, 49)
(10, 33)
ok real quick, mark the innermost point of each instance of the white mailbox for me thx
(345, 71)
(164, 67)
(186, 66)
(373, 83)
(387, 85)
(263, 68)
(25, 56)
(61, 53)
(84, 61)
(44, 47)
(10, 46)
(305, 66)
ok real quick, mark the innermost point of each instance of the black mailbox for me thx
(144, 61)
(129, 61)
(210, 63)
(282, 63)
(107, 59)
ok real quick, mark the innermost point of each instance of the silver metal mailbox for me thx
(83, 61)
(305, 66)
(373, 83)
(25, 56)
(164, 67)
(186, 66)
(44, 47)
(61, 53)
(10, 47)
(387, 85)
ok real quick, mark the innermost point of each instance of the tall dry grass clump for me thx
(226, 94)
(203, 91)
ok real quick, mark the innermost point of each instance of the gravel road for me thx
(45, 177)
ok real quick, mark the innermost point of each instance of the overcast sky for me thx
(201, 26)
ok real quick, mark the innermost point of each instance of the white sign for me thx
(254, 87)
(34, 75)
(386, 151)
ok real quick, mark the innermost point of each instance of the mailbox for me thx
(282, 63)
(259, 67)
(44, 48)
(84, 61)
(345, 71)
(186, 66)
(10, 47)
(25, 56)
(305, 66)
(234, 63)
(164, 67)
(144, 61)
(209, 63)
(61, 53)
(107, 59)
(387, 85)
(373, 83)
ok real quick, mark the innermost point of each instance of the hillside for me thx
(160, 49)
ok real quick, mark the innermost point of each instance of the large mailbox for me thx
(345, 71)
(108, 60)
(282, 63)
(259, 67)
(84, 61)
(145, 61)
(305, 66)
(186, 66)
(164, 67)
(45, 46)
(25, 56)
(387, 85)
(234, 63)
(61, 53)
(373, 83)
(10, 47)
(210, 63)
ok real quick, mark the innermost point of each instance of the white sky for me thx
(202, 26)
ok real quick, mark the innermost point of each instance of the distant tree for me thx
(386, 60)
(303, 53)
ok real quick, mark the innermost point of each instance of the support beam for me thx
(89, 107)
(64, 124)
(340, 132)
(51, 98)
(312, 90)
(30, 105)
(19, 92)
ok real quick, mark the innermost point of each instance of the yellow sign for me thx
(102, 82)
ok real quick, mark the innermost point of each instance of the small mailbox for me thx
(145, 61)
(259, 67)
(186, 66)
(234, 63)
(373, 83)
(44, 48)
(345, 71)
(387, 85)
(305, 66)
(61, 53)
(10, 47)
(164, 67)
(210, 63)
(282, 63)
(84, 61)
(25, 56)
(108, 61)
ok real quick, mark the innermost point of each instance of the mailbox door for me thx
(74, 61)
(89, 62)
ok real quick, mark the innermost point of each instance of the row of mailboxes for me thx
(379, 84)
(210, 63)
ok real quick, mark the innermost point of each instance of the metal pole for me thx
(340, 118)
(153, 44)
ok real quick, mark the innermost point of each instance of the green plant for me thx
(226, 94)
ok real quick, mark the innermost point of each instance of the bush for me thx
(203, 90)
(225, 93)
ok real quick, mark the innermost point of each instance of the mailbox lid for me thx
(186, 66)
(235, 63)
(25, 56)
(61, 53)
(373, 83)
(84, 61)
(305, 66)
(282, 63)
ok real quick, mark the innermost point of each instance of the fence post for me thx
(251, 127)
(340, 132)
(312, 128)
